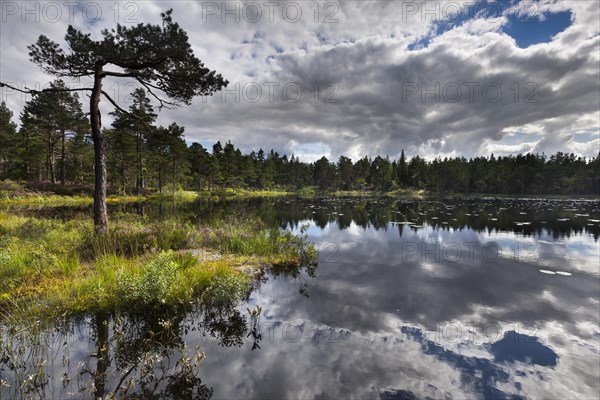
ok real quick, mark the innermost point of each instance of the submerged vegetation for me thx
(52, 267)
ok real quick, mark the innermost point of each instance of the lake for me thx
(455, 298)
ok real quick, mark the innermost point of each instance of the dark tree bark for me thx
(51, 162)
(123, 178)
(160, 183)
(39, 170)
(62, 159)
(140, 166)
(173, 176)
(100, 215)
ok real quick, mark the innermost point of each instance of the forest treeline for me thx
(53, 144)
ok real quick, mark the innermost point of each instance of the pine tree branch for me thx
(114, 103)
(35, 92)
(119, 74)
(162, 103)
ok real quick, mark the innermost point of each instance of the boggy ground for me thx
(51, 267)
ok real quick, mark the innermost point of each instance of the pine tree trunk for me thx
(100, 215)
(199, 180)
(160, 185)
(140, 167)
(81, 170)
(48, 157)
(123, 180)
(173, 176)
(51, 159)
(62, 159)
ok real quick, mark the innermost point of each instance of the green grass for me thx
(181, 195)
(258, 193)
(50, 267)
(413, 194)
(41, 200)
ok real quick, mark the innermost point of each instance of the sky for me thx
(356, 78)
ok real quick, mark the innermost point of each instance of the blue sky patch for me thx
(535, 30)
(518, 138)
(463, 14)
(586, 136)
(526, 30)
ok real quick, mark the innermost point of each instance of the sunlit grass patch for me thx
(136, 237)
(52, 267)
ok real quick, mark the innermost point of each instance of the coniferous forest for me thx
(53, 144)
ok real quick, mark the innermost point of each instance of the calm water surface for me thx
(442, 299)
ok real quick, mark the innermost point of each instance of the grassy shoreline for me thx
(48, 199)
(12, 193)
(52, 268)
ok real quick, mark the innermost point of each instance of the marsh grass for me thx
(53, 195)
(52, 267)
(134, 238)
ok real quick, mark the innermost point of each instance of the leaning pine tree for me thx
(159, 58)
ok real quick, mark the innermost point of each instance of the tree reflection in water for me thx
(143, 357)
(128, 356)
